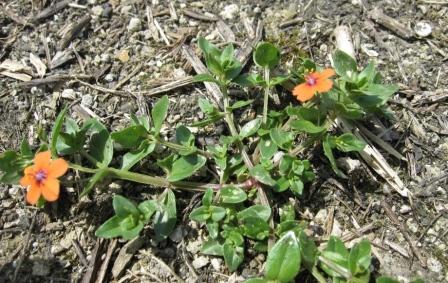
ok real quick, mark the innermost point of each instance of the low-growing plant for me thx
(235, 207)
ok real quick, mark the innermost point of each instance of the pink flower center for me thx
(310, 80)
(40, 176)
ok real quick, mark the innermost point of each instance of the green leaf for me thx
(9, 166)
(212, 247)
(297, 187)
(359, 258)
(206, 106)
(123, 206)
(344, 65)
(308, 251)
(148, 208)
(281, 138)
(212, 228)
(218, 213)
(141, 120)
(200, 214)
(207, 199)
(261, 211)
(227, 53)
(255, 228)
(367, 76)
(256, 280)
(278, 80)
(232, 69)
(130, 137)
(205, 78)
(306, 126)
(250, 80)
(56, 130)
(250, 128)
(233, 256)
(165, 218)
(207, 47)
(214, 65)
(98, 176)
(385, 279)
(287, 212)
(186, 166)
(184, 136)
(262, 175)
(159, 112)
(267, 147)
(101, 145)
(111, 228)
(25, 150)
(240, 104)
(329, 154)
(375, 95)
(266, 55)
(348, 142)
(231, 194)
(283, 262)
(133, 157)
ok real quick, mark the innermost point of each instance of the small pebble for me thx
(405, 209)
(200, 262)
(135, 24)
(423, 29)
(230, 11)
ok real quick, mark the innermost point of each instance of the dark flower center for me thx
(40, 176)
(310, 80)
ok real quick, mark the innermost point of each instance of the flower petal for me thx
(324, 85)
(50, 189)
(33, 194)
(325, 74)
(303, 92)
(57, 168)
(27, 180)
(42, 160)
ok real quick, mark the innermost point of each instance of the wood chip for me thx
(18, 76)
(41, 68)
(390, 23)
(225, 31)
(199, 16)
(73, 31)
(51, 10)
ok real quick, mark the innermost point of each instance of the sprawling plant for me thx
(235, 207)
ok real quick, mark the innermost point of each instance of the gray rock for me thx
(434, 265)
(177, 235)
(216, 263)
(135, 24)
(87, 100)
(200, 262)
(109, 78)
(230, 11)
(97, 10)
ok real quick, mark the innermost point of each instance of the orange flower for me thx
(41, 178)
(314, 82)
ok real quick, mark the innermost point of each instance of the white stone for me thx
(349, 164)
(230, 11)
(216, 263)
(135, 24)
(68, 93)
(434, 265)
(405, 209)
(97, 10)
(87, 100)
(423, 29)
(200, 262)
(109, 78)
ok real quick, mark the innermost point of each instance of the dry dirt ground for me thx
(99, 51)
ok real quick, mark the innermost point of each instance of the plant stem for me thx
(233, 131)
(91, 159)
(266, 95)
(157, 181)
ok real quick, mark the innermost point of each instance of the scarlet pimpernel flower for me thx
(41, 179)
(315, 82)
